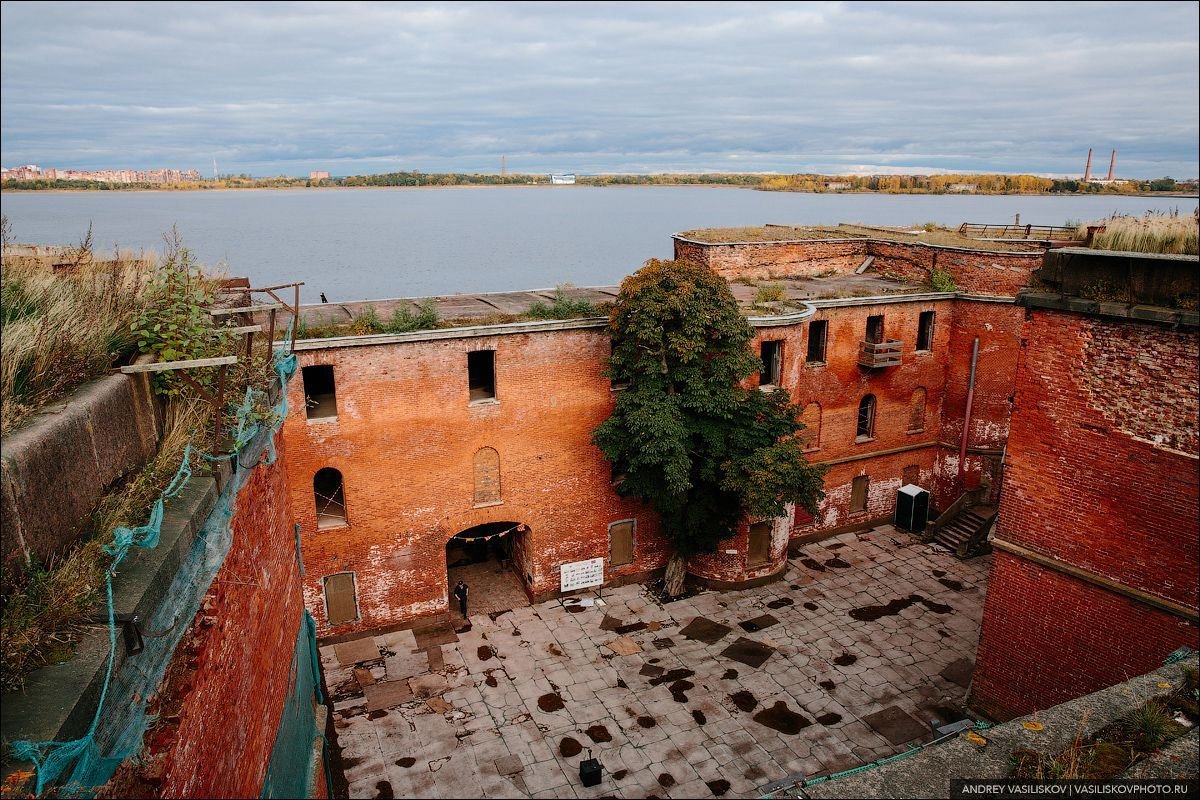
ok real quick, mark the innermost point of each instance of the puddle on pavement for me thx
(951, 584)
(378, 713)
(837, 563)
(575, 609)
(700, 717)
(666, 780)
(811, 606)
(347, 763)
(828, 686)
(678, 688)
(937, 573)
(829, 718)
(651, 671)
(621, 684)
(872, 613)
(781, 718)
(813, 564)
(754, 773)
(491, 681)
(835, 546)
(516, 632)
(759, 623)
(943, 634)
(405, 762)
(718, 787)
(569, 747)
(385, 791)
(663, 643)
(647, 722)
(730, 675)
(744, 700)
(599, 734)
(551, 702)
(672, 676)
(845, 659)
(632, 627)
(485, 652)
(781, 602)
(795, 587)
(620, 774)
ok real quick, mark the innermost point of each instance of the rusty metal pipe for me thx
(962, 451)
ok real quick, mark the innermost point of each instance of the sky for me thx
(835, 88)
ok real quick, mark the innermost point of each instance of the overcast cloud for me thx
(599, 87)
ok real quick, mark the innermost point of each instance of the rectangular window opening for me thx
(620, 542)
(875, 329)
(858, 494)
(758, 548)
(481, 374)
(772, 359)
(816, 342)
(320, 394)
(925, 331)
(341, 604)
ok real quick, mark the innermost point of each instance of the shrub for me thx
(366, 322)
(942, 281)
(563, 307)
(770, 293)
(1150, 726)
(404, 319)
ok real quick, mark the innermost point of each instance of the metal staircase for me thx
(962, 529)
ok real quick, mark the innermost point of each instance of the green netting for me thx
(290, 771)
(77, 768)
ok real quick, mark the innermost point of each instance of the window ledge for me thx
(922, 352)
(332, 526)
(863, 439)
(768, 387)
(815, 364)
(490, 401)
(319, 420)
(914, 431)
(619, 387)
(489, 504)
(811, 450)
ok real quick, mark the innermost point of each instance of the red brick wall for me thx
(405, 439)
(1048, 638)
(230, 674)
(976, 271)
(729, 563)
(1086, 483)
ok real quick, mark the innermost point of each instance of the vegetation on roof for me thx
(927, 233)
(1171, 233)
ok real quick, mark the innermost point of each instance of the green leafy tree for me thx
(687, 436)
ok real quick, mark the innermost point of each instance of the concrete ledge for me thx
(1111, 310)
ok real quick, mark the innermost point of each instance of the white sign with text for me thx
(581, 574)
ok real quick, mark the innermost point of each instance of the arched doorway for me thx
(490, 558)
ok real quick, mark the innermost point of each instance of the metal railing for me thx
(979, 231)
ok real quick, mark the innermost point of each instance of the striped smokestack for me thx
(1087, 171)
(1112, 162)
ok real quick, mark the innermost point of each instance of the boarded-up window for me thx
(817, 332)
(875, 328)
(866, 417)
(758, 549)
(811, 435)
(916, 410)
(487, 476)
(911, 475)
(340, 603)
(858, 494)
(620, 543)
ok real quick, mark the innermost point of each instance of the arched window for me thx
(330, 498)
(866, 417)
(812, 426)
(916, 411)
(487, 476)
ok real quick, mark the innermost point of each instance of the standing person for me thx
(460, 591)
(323, 300)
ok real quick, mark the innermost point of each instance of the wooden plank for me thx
(222, 312)
(268, 288)
(242, 329)
(166, 366)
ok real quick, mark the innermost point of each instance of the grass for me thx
(61, 329)
(563, 307)
(770, 293)
(45, 606)
(930, 233)
(1171, 233)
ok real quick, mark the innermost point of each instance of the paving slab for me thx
(759, 623)
(387, 695)
(959, 671)
(357, 651)
(896, 725)
(705, 630)
(624, 646)
(748, 651)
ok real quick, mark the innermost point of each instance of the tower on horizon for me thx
(1087, 171)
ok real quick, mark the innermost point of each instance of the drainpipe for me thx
(962, 451)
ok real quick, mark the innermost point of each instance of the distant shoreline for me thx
(181, 188)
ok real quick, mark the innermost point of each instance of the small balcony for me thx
(875, 355)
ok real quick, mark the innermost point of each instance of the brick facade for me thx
(1102, 476)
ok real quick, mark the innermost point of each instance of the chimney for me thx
(1112, 163)
(1087, 171)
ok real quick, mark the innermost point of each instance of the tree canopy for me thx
(687, 436)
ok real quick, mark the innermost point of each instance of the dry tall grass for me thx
(60, 329)
(1153, 233)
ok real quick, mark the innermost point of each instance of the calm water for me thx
(371, 243)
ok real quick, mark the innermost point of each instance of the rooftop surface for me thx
(498, 307)
(788, 233)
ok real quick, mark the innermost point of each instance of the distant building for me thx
(30, 172)
(836, 185)
(564, 180)
(318, 175)
(963, 187)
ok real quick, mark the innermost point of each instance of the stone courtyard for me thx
(867, 639)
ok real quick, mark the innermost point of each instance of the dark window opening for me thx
(620, 543)
(772, 359)
(816, 342)
(925, 331)
(866, 417)
(320, 394)
(481, 374)
(758, 548)
(875, 329)
(858, 494)
(330, 498)
(341, 604)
